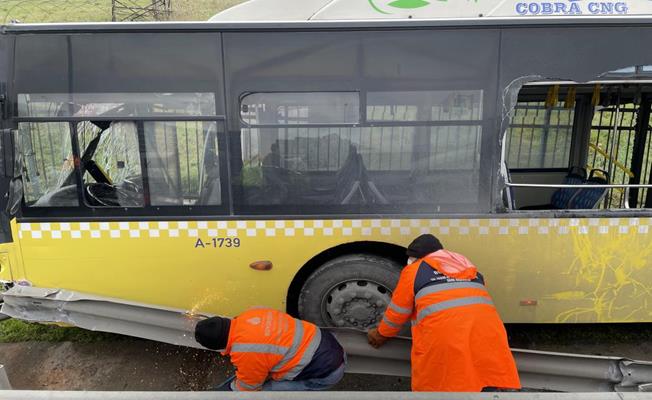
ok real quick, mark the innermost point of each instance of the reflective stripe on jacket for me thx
(266, 343)
(459, 342)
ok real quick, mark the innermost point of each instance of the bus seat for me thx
(561, 198)
(589, 198)
(348, 178)
(363, 185)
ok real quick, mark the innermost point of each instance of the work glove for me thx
(375, 338)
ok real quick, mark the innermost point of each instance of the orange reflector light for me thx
(529, 302)
(261, 265)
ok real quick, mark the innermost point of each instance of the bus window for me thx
(300, 108)
(115, 104)
(110, 164)
(183, 163)
(48, 164)
(594, 137)
(387, 166)
(440, 105)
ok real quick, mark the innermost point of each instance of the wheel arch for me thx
(382, 249)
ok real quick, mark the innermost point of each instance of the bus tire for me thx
(349, 291)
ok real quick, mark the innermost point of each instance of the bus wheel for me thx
(349, 291)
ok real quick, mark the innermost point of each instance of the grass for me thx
(34, 11)
(12, 331)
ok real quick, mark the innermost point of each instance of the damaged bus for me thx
(208, 167)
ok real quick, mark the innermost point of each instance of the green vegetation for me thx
(33, 11)
(13, 330)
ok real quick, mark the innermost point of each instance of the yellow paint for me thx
(578, 270)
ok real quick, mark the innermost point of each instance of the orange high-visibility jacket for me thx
(459, 343)
(266, 343)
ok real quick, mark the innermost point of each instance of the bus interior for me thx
(564, 133)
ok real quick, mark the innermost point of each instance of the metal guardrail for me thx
(4, 379)
(537, 369)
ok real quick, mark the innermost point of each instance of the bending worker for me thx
(459, 343)
(273, 351)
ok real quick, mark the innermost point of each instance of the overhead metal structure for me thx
(132, 10)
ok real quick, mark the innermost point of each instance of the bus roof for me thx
(476, 22)
(330, 10)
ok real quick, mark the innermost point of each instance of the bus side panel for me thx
(545, 270)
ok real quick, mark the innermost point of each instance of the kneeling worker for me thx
(273, 351)
(459, 343)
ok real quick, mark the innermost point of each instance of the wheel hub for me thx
(357, 304)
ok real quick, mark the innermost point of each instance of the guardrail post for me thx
(4, 379)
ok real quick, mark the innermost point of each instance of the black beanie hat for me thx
(423, 245)
(213, 333)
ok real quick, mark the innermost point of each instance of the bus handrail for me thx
(587, 186)
(612, 159)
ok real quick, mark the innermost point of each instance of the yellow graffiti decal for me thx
(609, 273)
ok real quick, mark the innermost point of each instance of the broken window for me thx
(110, 164)
(47, 163)
(580, 146)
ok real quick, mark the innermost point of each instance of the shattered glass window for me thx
(47, 164)
(110, 164)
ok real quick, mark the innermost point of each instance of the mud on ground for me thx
(134, 364)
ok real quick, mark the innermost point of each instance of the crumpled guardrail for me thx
(537, 369)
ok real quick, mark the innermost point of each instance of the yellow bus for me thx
(210, 167)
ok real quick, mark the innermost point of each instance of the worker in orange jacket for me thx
(459, 343)
(273, 351)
